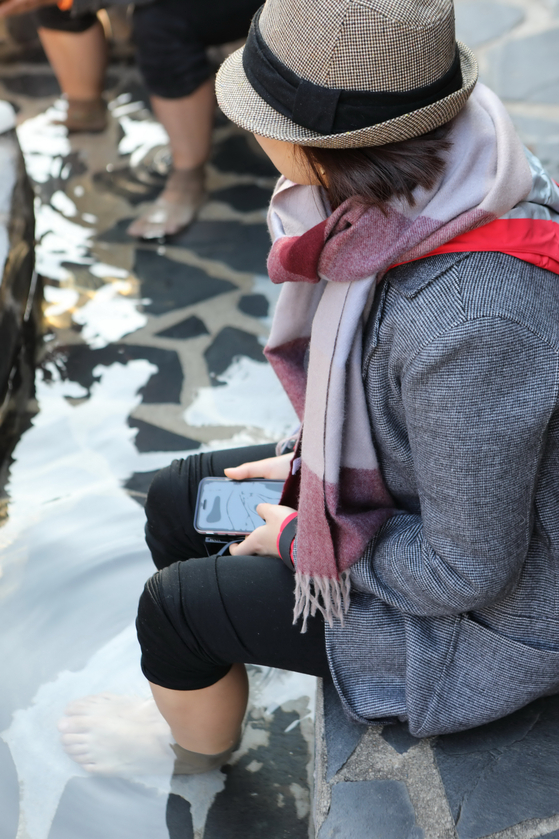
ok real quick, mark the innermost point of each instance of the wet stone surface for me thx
(341, 734)
(228, 345)
(478, 23)
(167, 284)
(527, 69)
(153, 351)
(504, 773)
(371, 810)
(399, 737)
(241, 246)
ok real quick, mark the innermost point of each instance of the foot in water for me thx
(127, 736)
(117, 735)
(176, 207)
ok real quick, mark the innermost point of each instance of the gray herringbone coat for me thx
(454, 618)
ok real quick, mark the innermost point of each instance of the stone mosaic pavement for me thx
(500, 781)
(152, 351)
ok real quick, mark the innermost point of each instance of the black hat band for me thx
(326, 110)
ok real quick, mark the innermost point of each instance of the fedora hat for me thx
(347, 73)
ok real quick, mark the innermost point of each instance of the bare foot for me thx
(117, 735)
(176, 207)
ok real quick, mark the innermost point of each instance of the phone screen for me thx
(229, 507)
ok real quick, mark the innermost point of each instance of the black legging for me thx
(197, 617)
(51, 17)
(171, 38)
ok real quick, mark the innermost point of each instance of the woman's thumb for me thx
(239, 473)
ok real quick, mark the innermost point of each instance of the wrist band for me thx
(286, 537)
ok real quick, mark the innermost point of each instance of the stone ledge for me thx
(500, 781)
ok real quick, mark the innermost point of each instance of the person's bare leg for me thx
(206, 721)
(188, 121)
(79, 61)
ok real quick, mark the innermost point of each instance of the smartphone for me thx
(226, 507)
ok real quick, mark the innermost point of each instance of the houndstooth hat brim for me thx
(239, 101)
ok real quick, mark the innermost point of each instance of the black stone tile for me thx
(117, 234)
(163, 387)
(228, 345)
(72, 166)
(9, 794)
(370, 810)
(236, 155)
(138, 485)
(478, 23)
(458, 785)
(190, 328)
(35, 85)
(178, 817)
(260, 803)
(123, 182)
(111, 80)
(243, 247)
(255, 305)
(341, 734)
(136, 89)
(220, 119)
(11, 327)
(503, 773)
(22, 28)
(172, 285)
(97, 808)
(152, 438)
(526, 69)
(496, 735)
(245, 197)
(398, 736)
(30, 53)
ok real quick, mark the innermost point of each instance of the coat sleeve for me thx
(477, 402)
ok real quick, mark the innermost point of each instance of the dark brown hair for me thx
(375, 174)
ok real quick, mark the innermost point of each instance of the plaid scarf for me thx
(330, 265)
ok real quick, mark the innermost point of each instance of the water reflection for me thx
(73, 561)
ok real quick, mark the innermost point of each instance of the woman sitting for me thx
(417, 336)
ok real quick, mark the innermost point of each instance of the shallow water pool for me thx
(152, 351)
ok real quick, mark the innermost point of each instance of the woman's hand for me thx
(264, 540)
(272, 468)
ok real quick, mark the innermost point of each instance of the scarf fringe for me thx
(315, 594)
